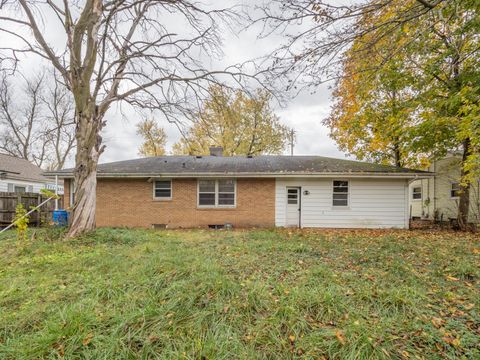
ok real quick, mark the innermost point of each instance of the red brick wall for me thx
(130, 203)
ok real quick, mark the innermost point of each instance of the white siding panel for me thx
(35, 185)
(3, 186)
(373, 203)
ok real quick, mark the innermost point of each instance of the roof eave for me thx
(418, 175)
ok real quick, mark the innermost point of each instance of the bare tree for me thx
(144, 52)
(22, 134)
(37, 120)
(60, 123)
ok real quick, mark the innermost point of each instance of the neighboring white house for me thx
(19, 175)
(436, 198)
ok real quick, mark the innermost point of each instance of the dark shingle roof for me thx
(238, 165)
(12, 167)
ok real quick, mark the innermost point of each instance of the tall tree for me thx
(21, 121)
(59, 123)
(447, 59)
(146, 53)
(241, 124)
(154, 138)
(37, 126)
(372, 114)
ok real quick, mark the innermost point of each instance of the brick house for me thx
(247, 191)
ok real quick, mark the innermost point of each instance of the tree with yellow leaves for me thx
(241, 124)
(154, 138)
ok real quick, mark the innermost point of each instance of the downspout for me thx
(56, 192)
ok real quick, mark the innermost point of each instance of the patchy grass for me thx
(279, 294)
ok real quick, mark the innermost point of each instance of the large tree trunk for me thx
(397, 154)
(464, 203)
(85, 176)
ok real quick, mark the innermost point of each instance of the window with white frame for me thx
(162, 189)
(340, 193)
(417, 193)
(455, 190)
(216, 193)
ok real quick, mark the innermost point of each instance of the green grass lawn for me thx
(278, 294)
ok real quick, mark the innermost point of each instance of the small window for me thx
(163, 189)
(292, 196)
(340, 193)
(216, 193)
(20, 189)
(417, 193)
(455, 190)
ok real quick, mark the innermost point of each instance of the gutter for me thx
(413, 176)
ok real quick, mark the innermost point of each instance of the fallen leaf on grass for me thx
(451, 278)
(60, 349)
(340, 337)
(88, 339)
(450, 340)
(153, 338)
(437, 322)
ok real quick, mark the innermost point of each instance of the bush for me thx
(21, 221)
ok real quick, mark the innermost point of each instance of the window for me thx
(226, 192)
(162, 189)
(20, 189)
(206, 192)
(417, 193)
(455, 190)
(340, 193)
(292, 196)
(216, 193)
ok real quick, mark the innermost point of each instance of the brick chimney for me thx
(216, 151)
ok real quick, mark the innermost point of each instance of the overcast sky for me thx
(303, 113)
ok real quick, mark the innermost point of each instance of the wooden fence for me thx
(10, 200)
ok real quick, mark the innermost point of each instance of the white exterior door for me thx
(293, 206)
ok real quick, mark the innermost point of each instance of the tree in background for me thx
(241, 124)
(374, 99)
(372, 114)
(39, 125)
(154, 138)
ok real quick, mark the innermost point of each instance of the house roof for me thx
(15, 168)
(265, 165)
